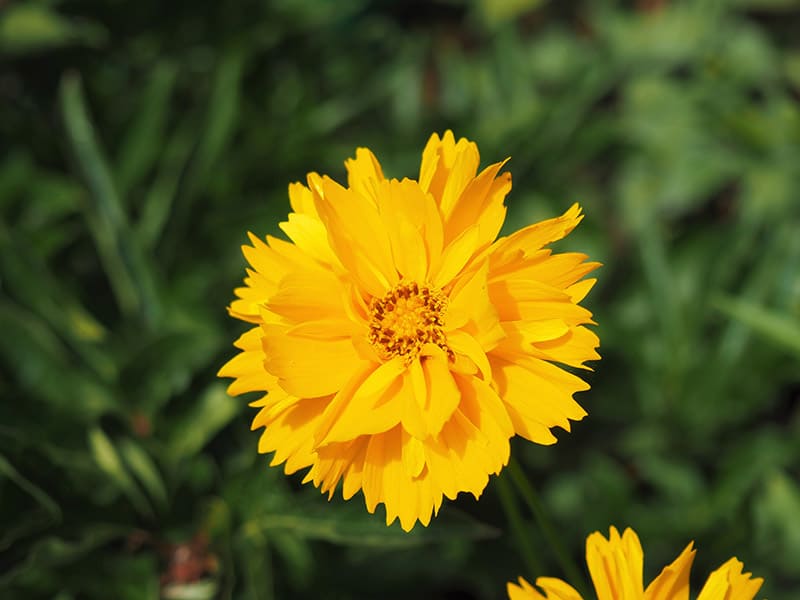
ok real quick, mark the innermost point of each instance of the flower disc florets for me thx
(405, 319)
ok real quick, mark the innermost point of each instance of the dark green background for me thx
(139, 141)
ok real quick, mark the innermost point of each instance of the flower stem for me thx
(518, 527)
(531, 498)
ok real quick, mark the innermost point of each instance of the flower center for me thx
(406, 318)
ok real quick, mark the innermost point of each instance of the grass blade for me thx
(130, 276)
(213, 411)
(781, 329)
(107, 458)
(144, 138)
(140, 463)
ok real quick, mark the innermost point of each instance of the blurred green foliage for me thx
(142, 140)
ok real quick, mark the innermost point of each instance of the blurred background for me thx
(139, 142)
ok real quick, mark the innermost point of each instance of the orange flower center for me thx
(406, 318)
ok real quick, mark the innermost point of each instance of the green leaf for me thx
(353, 526)
(767, 5)
(140, 463)
(164, 365)
(38, 494)
(42, 364)
(51, 198)
(218, 126)
(144, 140)
(107, 458)
(15, 172)
(53, 551)
(496, 12)
(221, 116)
(32, 26)
(296, 554)
(778, 529)
(130, 275)
(782, 329)
(30, 521)
(22, 526)
(29, 279)
(791, 66)
(255, 555)
(212, 411)
(742, 468)
(161, 196)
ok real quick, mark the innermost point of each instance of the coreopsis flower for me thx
(615, 565)
(399, 343)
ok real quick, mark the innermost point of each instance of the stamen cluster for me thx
(406, 318)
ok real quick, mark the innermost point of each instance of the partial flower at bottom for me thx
(616, 567)
(399, 343)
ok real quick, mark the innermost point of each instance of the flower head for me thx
(399, 343)
(615, 565)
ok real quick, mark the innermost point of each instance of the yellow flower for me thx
(615, 565)
(400, 344)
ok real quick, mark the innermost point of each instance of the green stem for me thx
(518, 528)
(531, 498)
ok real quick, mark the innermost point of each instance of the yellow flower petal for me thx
(481, 202)
(552, 340)
(308, 367)
(558, 271)
(729, 582)
(402, 206)
(472, 444)
(385, 481)
(528, 240)
(247, 368)
(455, 256)
(262, 280)
(464, 344)
(472, 310)
(308, 295)
(413, 395)
(302, 200)
(447, 167)
(673, 582)
(358, 236)
(573, 349)
(289, 434)
(485, 408)
(264, 259)
(441, 394)
(364, 174)
(537, 395)
(309, 234)
(336, 461)
(413, 455)
(615, 565)
(522, 591)
(460, 173)
(383, 456)
(578, 291)
(366, 406)
(555, 589)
